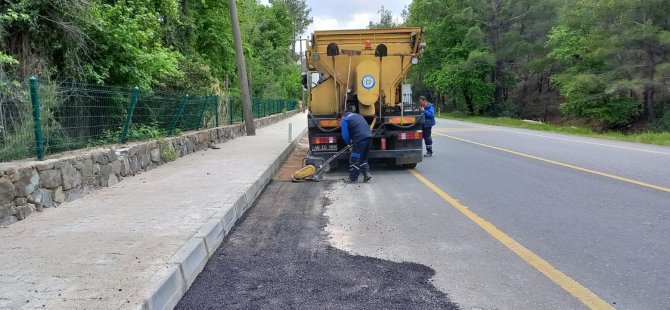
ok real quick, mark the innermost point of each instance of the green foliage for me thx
(299, 13)
(615, 50)
(184, 46)
(137, 132)
(662, 124)
(168, 152)
(7, 60)
(162, 46)
(604, 61)
(129, 47)
(272, 70)
(587, 96)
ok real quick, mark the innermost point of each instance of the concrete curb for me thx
(192, 257)
(168, 292)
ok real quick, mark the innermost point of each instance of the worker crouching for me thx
(356, 131)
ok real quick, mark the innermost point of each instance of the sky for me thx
(349, 14)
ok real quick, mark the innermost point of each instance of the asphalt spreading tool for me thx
(314, 166)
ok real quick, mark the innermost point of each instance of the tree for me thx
(617, 48)
(178, 45)
(501, 40)
(385, 20)
(270, 63)
(299, 11)
(603, 61)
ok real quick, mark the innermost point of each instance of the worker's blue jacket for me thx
(354, 127)
(429, 112)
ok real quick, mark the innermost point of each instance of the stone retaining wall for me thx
(30, 186)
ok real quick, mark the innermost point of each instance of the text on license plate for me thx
(324, 147)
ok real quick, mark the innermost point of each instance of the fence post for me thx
(37, 120)
(176, 118)
(230, 109)
(131, 109)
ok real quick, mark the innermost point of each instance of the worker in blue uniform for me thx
(429, 112)
(356, 131)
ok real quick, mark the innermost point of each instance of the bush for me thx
(611, 112)
(587, 97)
(505, 109)
(140, 132)
(662, 124)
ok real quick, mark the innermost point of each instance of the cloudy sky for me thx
(349, 14)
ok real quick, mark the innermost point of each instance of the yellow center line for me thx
(558, 163)
(584, 295)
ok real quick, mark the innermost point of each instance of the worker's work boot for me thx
(428, 154)
(367, 176)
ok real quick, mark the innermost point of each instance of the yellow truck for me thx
(364, 71)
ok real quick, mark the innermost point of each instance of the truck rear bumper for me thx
(401, 157)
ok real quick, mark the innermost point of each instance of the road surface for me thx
(499, 218)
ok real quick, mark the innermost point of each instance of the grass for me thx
(658, 138)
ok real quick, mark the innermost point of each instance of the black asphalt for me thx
(279, 257)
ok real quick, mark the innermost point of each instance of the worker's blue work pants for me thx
(428, 138)
(359, 159)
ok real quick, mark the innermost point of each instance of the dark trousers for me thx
(428, 138)
(359, 159)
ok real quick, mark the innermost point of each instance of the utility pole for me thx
(242, 70)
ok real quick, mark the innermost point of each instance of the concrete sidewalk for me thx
(140, 243)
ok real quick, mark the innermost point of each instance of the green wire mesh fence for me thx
(37, 119)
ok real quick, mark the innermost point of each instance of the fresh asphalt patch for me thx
(279, 257)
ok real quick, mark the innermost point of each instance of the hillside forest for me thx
(600, 63)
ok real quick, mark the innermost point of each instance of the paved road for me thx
(279, 258)
(598, 211)
(513, 219)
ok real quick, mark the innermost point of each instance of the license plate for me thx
(324, 147)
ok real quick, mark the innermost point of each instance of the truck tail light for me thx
(329, 123)
(324, 140)
(415, 135)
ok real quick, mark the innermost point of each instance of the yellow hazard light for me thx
(329, 123)
(407, 120)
